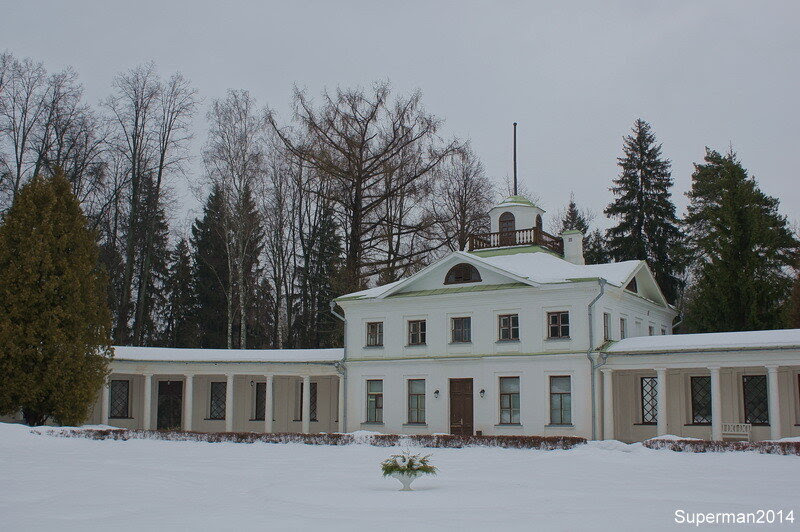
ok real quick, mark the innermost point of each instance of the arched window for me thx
(507, 222)
(462, 273)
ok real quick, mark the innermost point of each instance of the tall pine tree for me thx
(648, 226)
(55, 327)
(742, 249)
(180, 315)
(211, 272)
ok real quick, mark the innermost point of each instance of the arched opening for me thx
(507, 223)
(539, 222)
(462, 273)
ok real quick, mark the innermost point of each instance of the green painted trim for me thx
(572, 232)
(458, 289)
(497, 252)
(455, 356)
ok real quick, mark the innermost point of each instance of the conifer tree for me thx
(574, 219)
(181, 303)
(594, 248)
(793, 317)
(742, 249)
(54, 320)
(648, 226)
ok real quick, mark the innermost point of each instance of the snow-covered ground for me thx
(50, 483)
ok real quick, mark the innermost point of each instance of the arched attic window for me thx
(507, 223)
(462, 273)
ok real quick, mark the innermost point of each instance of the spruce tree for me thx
(793, 311)
(594, 248)
(54, 320)
(181, 302)
(211, 269)
(648, 226)
(742, 249)
(574, 219)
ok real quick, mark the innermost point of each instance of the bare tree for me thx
(234, 161)
(464, 195)
(355, 138)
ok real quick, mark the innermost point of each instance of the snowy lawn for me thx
(50, 483)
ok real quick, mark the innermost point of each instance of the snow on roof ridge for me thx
(774, 338)
(178, 354)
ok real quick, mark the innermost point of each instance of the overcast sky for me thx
(575, 77)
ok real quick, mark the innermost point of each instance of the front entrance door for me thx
(170, 397)
(461, 407)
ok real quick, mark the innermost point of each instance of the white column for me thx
(306, 404)
(774, 403)
(229, 404)
(104, 403)
(608, 404)
(341, 404)
(662, 401)
(716, 404)
(268, 405)
(187, 402)
(147, 405)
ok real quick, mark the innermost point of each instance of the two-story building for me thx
(514, 335)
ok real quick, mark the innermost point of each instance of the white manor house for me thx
(513, 336)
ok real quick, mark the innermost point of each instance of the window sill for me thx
(109, 417)
(373, 347)
(299, 420)
(645, 424)
(460, 343)
(508, 425)
(560, 426)
(697, 424)
(416, 345)
(213, 419)
(414, 424)
(373, 423)
(559, 339)
(511, 341)
(257, 419)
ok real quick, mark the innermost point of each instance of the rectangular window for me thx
(560, 401)
(118, 401)
(375, 401)
(416, 332)
(606, 326)
(651, 330)
(508, 327)
(261, 401)
(312, 407)
(701, 399)
(509, 400)
(649, 391)
(416, 400)
(460, 330)
(217, 407)
(375, 334)
(756, 407)
(623, 328)
(558, 324)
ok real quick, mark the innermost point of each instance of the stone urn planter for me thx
(406, 467)
(405, 479)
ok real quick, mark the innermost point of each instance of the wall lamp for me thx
(436, 394)
(483, 393)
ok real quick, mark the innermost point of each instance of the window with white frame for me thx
(217, 399)
(461, 330)
(701, 399)
(375, 334)
(649, 392)
(374, 401)
(261, 401)
(509, 400)
(508, 327)
(416, 400)
(560, 400)
(606, 326)
(623, 328)
(312, 400)
(756, 404)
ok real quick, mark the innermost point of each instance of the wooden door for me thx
(170, 399)
(461, 414)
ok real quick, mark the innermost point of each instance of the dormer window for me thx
(462, 273)
(507, 223)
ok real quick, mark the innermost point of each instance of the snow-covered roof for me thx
(517, 200)
(775, 339)
(168, 354)
(544, 268)
(536, 267)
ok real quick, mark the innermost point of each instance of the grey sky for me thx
(575, 77)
